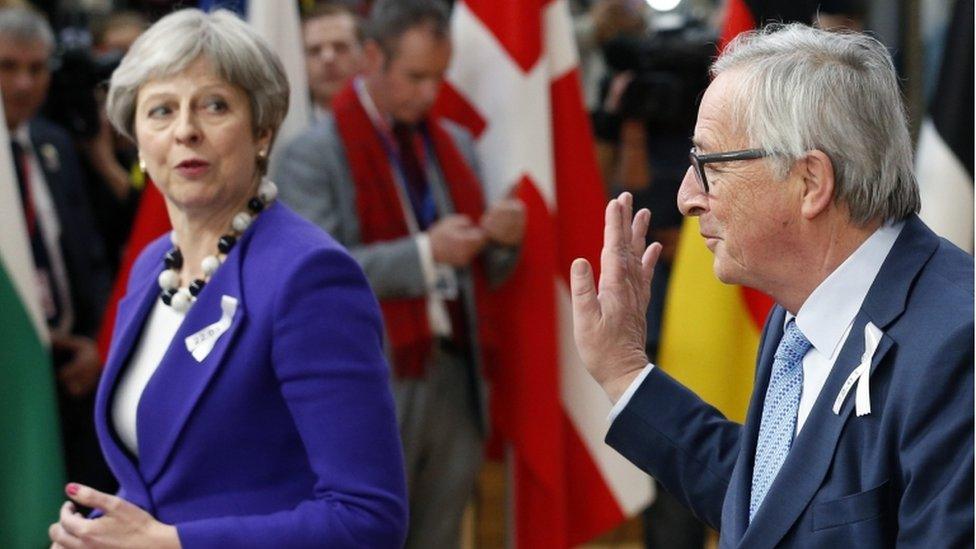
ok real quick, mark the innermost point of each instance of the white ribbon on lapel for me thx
(861, 374)
(201, 343)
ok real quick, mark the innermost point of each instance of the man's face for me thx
(333, 54)
(409, 82)
(24, 78)
(749, 216)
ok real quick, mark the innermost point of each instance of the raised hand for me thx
(609, 322)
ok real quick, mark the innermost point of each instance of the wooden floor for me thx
(484, 519)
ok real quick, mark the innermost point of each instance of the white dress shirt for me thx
(160, 329)
(825, 318)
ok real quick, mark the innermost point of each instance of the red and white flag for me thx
(514, 81)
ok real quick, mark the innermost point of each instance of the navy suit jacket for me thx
(285, 434)
(81, 246)
(901, 475)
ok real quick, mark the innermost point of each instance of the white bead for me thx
(172, 238)
(210, 265)
(267, 191)
(182, 300)
(169, 280)
(241, 222)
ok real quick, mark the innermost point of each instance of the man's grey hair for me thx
(26, 25)
(390, 19)
(238, 55)
(800, 89)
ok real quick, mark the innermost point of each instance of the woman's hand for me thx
(122, 525)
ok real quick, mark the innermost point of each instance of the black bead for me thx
(197, 286)
(255, 205)
(167, 296)
(173, 259)
(225, 243)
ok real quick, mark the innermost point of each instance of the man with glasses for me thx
(860, 426)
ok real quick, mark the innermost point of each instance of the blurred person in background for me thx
(333, 38)
(246, 401)
(115, 180)
(71, 273)
(399, 186)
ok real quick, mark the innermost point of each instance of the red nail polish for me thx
(72, 489)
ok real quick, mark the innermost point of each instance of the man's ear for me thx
(374, 60)
(817, 173)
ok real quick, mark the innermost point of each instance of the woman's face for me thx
(195, 136)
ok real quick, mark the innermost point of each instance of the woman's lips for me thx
(192, 169)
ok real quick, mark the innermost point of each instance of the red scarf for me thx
(381, 218)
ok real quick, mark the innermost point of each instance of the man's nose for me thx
(24, 80)
(692, 200)
(429, 89)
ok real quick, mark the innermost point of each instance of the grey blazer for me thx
(313, 176)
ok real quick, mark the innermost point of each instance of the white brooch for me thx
(201, 343)
(861, 375)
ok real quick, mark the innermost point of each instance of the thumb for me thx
(90, 497)
(586, 307)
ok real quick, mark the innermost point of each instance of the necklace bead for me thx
(197, 286)
(174, 259)
(181, 300)
(169, 280)
(241, 222)
(225, 243)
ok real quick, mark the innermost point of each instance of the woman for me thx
(245, 401)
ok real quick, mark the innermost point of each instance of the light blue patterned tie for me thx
(779, 413)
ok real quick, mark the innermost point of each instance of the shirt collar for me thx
(829, 311)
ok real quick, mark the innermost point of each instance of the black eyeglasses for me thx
(698, 161)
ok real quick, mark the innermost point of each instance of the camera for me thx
(76, 77)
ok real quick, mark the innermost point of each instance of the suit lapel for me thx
(131, 315)
(180, 380)
(813, 450)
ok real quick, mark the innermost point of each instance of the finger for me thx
(72, 522)
(586, 306)
(648, 261)
(458, 220)
(611, 225)
(639, 231)
(611, 261)
(90, 497)
(627, 200)
(62, 538)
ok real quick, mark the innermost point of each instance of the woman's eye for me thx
(158, 112)
(215, 106)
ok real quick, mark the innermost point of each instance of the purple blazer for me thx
(285, 434)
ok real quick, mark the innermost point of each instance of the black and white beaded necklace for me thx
(181, 298)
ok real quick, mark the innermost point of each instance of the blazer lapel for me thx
(813, 450)
(132, 312)
(735, 510)
(180, 380)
